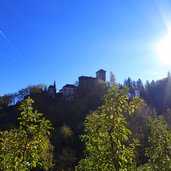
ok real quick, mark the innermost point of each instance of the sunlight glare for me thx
(164, 50)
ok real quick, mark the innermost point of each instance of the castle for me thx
(69, 90)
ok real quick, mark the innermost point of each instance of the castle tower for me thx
(54, 85)
(52, 90)
(101, 75)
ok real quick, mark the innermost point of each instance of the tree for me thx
(27, 146)
(6, 100)
(140, 88)
(159, 150)
(137, 124)
(167, 117)
(112, 79)
(23, 93)
(67, 159)
(107, 139)
(66, 132)
(130, 84)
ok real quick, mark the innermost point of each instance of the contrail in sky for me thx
(9, 42)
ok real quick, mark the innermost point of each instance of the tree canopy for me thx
(107, 139)
(27, 146)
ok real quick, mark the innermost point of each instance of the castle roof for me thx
(86, 77)
(51, 86)
(69, 86)
(101, 70)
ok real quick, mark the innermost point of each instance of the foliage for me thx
(66, 132)
(5, 101)
(67, 159)
(137, 124)
(66, 140)
(167, 117)
(159, 150)
(28, 146)
(108, 141)
(145, 167)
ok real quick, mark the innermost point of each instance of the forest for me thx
(107, 127)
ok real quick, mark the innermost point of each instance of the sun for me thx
(164, 50)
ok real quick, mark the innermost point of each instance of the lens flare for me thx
(164, 50)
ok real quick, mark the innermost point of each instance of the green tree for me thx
(66, 132)
(107, 139)
(159, 150)
(27, 146)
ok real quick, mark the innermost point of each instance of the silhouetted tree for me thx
(112, 80)
(140, 88)
(6, 100)
(131, 85)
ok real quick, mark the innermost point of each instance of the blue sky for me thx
(46, 40)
